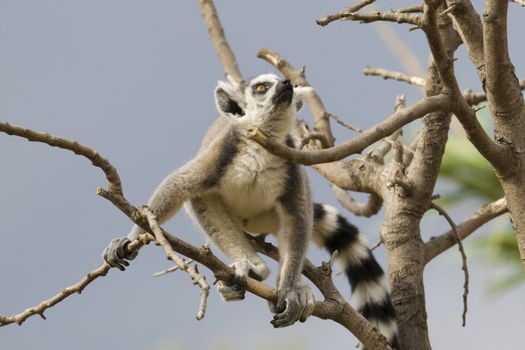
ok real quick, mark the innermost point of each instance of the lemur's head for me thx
(266, 102)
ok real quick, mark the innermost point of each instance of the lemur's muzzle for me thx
(283, 92)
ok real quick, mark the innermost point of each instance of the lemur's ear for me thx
(229, 101)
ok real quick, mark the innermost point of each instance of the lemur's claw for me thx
(243, 268)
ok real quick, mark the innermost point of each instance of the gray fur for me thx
(234, 185)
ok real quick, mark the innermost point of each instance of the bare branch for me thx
(382, 150)
(338, 16)
(442, 212)
(475, 98)
(468, 24)
(439, 244)
(191, 270)
(321, 117)
(170, 269)
(317, 137)
(496, 154)
(78, 287)
(218, 39)
(390, 16)
(371, 207)
(334, 304)
(96, 159)
(361, 141)
(344, 124)
(388, 74)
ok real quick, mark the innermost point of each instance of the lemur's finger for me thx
(307, 301)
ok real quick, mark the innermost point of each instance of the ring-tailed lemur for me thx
(233, 186)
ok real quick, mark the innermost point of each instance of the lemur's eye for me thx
(261, 89)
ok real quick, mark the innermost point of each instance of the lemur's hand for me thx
(292, 305)
(116, 253)
(243, 268)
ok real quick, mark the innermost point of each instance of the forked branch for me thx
(437, 245)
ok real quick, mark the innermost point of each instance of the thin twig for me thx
(343, 123)
(170, 270)
(389, 16)
(382, 150)
(218, 39)
(442, 212)
(437, 245)
(78, 287)
(375, 246)
(339, 15)
(399, 76)
(196, 277)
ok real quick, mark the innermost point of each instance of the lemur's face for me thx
(266, 93)
(265, 100)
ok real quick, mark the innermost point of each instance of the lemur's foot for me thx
(244, 268)
(292, 305)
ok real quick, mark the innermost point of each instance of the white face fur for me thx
(266, 102)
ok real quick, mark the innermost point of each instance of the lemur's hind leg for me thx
(211, 214)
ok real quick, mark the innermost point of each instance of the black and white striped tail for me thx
(369, 290)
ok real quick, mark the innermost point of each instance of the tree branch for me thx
(339, 15)
(218, 39)
(196, 277)
(475, 98)
(442, 212)
(388, 74)
(371, 207)
(114, 184)
(437, 245)
(502, 86)
(497, 155)
(391, 16)
(361, 141)
(101, 271)
(468, 24)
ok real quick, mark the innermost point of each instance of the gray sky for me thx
(134, 80)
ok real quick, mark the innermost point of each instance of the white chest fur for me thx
(253, 182)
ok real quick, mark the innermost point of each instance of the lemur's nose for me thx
(286, 82)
